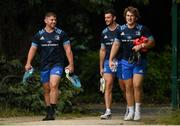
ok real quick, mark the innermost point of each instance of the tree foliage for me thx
(83, 21)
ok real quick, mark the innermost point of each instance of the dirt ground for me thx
(149, 114)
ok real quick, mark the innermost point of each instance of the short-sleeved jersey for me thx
(107, 39)
(50, 47)
(126, 36)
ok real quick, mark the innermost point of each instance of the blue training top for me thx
(107, 39)
(126, 36)
(50, 47)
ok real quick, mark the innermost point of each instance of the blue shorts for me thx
(128, 70)
(107, 69)
(45, 75)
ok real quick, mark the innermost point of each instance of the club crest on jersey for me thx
(138, 33)
(57, 37)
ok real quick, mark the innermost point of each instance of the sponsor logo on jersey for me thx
(49, 43)
(108, 43)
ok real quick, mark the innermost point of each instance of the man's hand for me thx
(28, 67)
(101, 71)
(70, 68)
(111, 64)
(137, 48)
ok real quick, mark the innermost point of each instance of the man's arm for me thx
(149, 44)
(102, 54)
(114, 50)
(31, 54)
(69, 55)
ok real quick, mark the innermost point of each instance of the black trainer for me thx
(50, 113)
(48, 117)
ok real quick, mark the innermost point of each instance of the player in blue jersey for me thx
(133, 68)
(52, 44)
(107, 39)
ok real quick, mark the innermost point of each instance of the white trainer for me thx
(126, 114)
(106, 115)
(129, 116)
(137, 116)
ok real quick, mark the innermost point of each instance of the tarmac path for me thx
(148, 114)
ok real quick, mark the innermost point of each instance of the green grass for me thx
(167, 117)
(13, 112)
(170, 118)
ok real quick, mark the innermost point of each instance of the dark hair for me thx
(48, 14)
(110, 11)
(133, 10)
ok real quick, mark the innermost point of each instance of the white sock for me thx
(138, 107)
(108, 110)
(131, 109)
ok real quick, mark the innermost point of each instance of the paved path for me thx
(148, 113)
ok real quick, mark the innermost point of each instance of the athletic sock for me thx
(137, 107)
(108, 110)
(131, 109)
(48, 109)
(53, 107)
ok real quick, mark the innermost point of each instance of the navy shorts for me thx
(45, 75)
(107, 69)
(128, 70)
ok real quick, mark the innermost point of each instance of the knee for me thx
(108, 86)
(54, 86)
(137, 86)
(46, 90)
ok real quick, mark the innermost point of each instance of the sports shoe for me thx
(129, 116)
(137, 116)
(48, 117)
(28, 74)
(106, 115)
(74, 79)
(127, 112)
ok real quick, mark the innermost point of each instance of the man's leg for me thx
(45, 79)
(123, 89)
(138, 77)
(54, 83)
(129, 98)
(46, 88)
(127, 76)
(46, 93)
(137, 83)
(109, 78)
